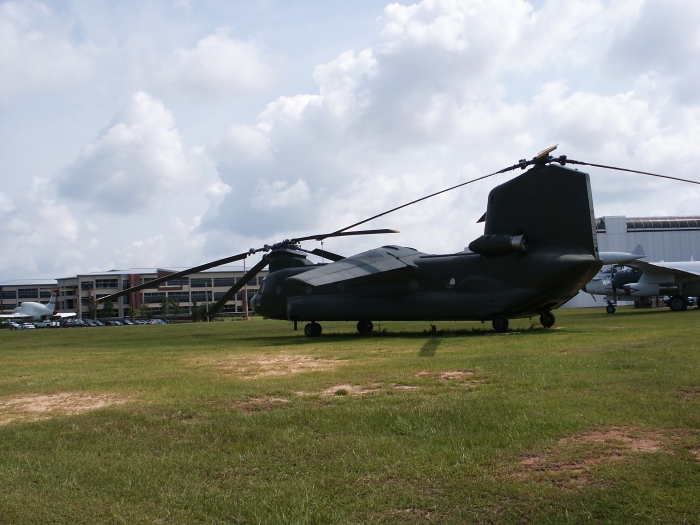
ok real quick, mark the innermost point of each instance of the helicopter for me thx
(539, 248)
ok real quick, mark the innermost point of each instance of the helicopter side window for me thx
(450, 283)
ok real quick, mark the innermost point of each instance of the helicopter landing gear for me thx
(364, 326)
(678, 303)
(313, 330)
(610, 308)
(500, 324)
(547, 319)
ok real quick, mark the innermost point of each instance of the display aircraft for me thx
(32, 311)
(641, 279)
(538, 250)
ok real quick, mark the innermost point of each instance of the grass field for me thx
(596, 420)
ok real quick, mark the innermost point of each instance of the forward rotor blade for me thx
(327, 255)
(236, 287)
(170, 277)
(322, 236)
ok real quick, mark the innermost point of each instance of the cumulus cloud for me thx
(39, 234)
(38, 51)
(452, 89)
(134, 164)
(217, 65)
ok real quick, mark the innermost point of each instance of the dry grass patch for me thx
(260, 404)
(42, 406)
(691, 394)
(459, 374)
(276, 365)
(571, 459)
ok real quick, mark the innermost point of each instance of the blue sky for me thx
(171, 133)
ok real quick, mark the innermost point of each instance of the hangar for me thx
(663, 239)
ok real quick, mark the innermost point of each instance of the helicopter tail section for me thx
(550, 205)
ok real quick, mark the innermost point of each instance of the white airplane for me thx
(678, 280)
(31, 311)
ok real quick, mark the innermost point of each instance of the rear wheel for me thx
(547, 319)
(500, 324)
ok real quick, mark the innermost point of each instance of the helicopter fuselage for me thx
(461, 286)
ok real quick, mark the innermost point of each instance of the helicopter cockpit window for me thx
(262, 285)
(450, 283)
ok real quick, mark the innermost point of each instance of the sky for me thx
(170, 133)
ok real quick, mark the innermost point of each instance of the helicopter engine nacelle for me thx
(494, 245)
(650, 289)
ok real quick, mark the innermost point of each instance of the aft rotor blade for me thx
(322, 236)
(236, 287)
(581, 163)
(509, 168)
(170, 277)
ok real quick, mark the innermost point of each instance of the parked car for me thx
(98, 322)
(128, 322)
(73, 323)
(89, 322)
(26, 326)
(43, 324)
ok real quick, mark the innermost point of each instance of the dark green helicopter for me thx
(538, 250)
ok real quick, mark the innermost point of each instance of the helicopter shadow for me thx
(429, 348)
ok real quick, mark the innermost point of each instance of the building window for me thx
(219, 295)
(153, 297)
(106, 283)
(182, 281)
(85, 301)
(27, 293)
(201, 297)
(85, 285)
(182, 297)
(9, 295)
(69, 304)
(200, 283)
(45, 294)
(224, 281)
(148, 280)
(9, 306)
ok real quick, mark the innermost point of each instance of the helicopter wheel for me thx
(547, 319)
(500, 324)
(312, 330)
(610, 308)
(364, 326)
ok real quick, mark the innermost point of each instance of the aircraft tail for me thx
(550, 205)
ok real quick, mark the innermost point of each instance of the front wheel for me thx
(547, 319)
(312, 330)
(610, 309)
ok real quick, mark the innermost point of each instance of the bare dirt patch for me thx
(276, 365)
(570, 461)
(42, 406)
(260, 404)
(405, 387)
(458, 374)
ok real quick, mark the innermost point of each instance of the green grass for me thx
(199, 439)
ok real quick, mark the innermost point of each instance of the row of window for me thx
(655, 223)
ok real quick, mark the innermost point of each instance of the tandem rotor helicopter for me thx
(538, 250)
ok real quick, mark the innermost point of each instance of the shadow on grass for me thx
(432, 337)
(429, 348)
